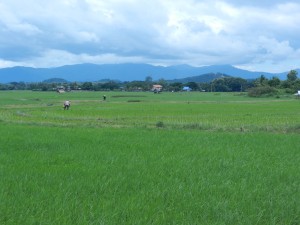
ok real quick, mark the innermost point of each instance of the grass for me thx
(158, 161)
(203, 111)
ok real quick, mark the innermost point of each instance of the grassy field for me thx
(144, 158)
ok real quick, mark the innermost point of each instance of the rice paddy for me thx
(144, 158)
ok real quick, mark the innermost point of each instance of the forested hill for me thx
(205, 78)
(123, 72)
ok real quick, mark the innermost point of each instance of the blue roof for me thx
(186, 88)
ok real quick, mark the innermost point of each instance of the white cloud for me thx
(53, 58)
(59, 32)
(12, 23)
(6, 63)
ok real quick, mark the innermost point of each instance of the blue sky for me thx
(258, 35)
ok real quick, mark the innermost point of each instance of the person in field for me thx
(67, 104)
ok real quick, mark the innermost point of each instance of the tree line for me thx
(256, 87)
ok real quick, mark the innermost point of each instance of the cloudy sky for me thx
(258, 35)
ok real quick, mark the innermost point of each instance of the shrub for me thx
(260, 91)
(289, 91)
(160, 124)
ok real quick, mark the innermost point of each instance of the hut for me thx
(157, 88)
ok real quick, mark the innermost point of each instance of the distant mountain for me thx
(55, 80)
(123, 72)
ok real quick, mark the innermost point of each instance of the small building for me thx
(156, 88)
(60, 89)
(186, 88)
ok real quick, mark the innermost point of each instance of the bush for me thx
(262, 91)
(289, 91)
(160, 124)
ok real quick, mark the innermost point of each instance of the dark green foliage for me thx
(292, 75)
(160, 124)
(193, 85)
(87, 86)
(262, 91)
(231, 84)
(274, 82)
(177, 86)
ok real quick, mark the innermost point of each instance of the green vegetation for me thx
(261, 86)
(271, 87)
(202, 111)
(144, 158)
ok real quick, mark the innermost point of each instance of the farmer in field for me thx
(104, 97)
(67, 104)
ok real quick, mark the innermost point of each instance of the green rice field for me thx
(143, 158)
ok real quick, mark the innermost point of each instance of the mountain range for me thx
(125, 72)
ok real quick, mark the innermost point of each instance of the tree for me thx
(148, 79)
(110, 86)
(235, 84)
(3, 87)
(193, 85)
(163, 83)
(274, 82)
(136, 86)
(292, 75)
(219, 85)
(261, 81)
(74, 86)
(289, 84)
(87, 86)
(148, 82)
(177, 86)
